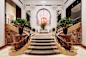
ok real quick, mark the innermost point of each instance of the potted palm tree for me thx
(65, 23)
(20, 23)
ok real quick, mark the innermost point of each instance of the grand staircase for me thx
(42, 44)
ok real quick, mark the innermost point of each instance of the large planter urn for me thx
(65, 30)
(21, 30)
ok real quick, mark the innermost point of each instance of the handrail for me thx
(18, 45)
(76, 19)
(64, 43)
(21, 51)
(71, 52)
(63, 39)
(19, 41)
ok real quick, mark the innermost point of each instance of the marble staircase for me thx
(42, 45)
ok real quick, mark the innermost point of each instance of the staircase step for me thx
(43, 36)
(43, 44)
(42, 48)
(45, 52)
(42, 41)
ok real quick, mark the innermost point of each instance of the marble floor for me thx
(81, 52)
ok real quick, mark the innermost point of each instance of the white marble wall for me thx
(2, 23)
(84, 22)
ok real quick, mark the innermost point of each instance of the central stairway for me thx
(42, 44)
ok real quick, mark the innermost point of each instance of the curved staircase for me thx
(42, 44)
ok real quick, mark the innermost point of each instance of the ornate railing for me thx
(64, 41)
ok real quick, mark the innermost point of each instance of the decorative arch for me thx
(39, 12)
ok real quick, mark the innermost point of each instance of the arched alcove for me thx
(43, 13)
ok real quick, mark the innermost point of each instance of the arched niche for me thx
(45, 13)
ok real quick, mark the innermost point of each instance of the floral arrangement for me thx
(43, 22)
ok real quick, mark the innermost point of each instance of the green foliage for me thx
(66, 22)
(21, 22)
